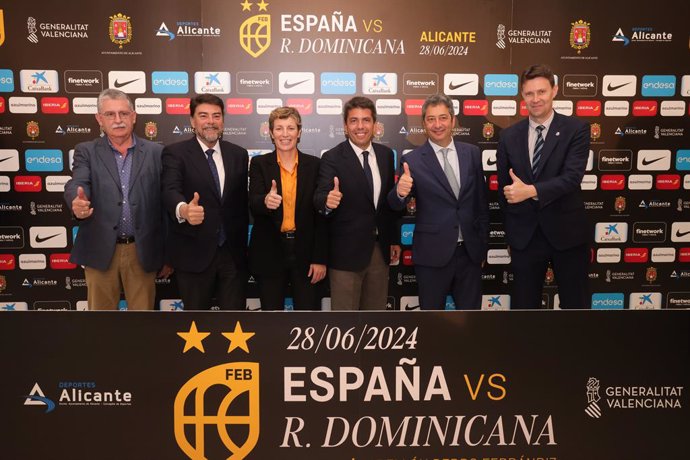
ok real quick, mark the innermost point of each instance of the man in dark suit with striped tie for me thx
(541, 161)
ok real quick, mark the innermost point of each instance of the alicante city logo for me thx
(224, 398)
(255, 32)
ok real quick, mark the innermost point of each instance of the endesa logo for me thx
(61, 262)
(170, 82)
(27, 184)
(238, 106)
(479, 107)
(613, 182)
(413, 106)
(588, 108)
(303, 105)
(683, 160)
(608, 301)
(658, 85)
(406, 234)
(177, 106)
(43, 160)
(500, 84)
(7, 262)
(54, 105)
(645, 108)
(338, 83)
(636, 255)
(6, 81)
(668, 182)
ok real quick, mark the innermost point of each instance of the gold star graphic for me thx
(262, 5)
(193, 338)
(238, 338)
(246, 6)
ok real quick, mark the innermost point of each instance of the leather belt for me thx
(124, 239)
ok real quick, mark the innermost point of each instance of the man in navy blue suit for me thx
(541, 161)
(452, 225)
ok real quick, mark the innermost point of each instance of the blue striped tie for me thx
(538, 146)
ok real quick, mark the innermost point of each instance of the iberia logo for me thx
(255, 32)
(237, 428)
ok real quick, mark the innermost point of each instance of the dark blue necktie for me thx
(538, 146)
(368, 175)
(216, 179)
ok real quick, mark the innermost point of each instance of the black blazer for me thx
(355, 225)
(560, 210)
(185, 171)
(311, 235)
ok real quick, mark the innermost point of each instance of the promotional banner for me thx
(624, 71)
(394, 386)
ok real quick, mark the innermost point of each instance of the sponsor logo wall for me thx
(260, 55)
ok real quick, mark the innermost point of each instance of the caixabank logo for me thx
(236, 418)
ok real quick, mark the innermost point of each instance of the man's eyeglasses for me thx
(112, 115)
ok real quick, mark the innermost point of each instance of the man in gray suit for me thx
(114, 194)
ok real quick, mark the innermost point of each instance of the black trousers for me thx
(274, 287)
(222, 280)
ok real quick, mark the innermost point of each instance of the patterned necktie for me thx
(216, 179)
(450, 174)
(367, 174)
(538, 146)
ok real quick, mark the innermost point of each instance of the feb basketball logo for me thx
(255, 32)
(218, 408)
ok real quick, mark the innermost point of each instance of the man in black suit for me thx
(541, 162)
(204, 184)
(289, 242)
(354, 180)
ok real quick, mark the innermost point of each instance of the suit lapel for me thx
(523, 165)
(464, 162)
(384, 173)
(352, 162)
(137, 164)
(273, 171)
(431, 161)
(107, 157)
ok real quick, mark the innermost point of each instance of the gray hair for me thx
(115, 94)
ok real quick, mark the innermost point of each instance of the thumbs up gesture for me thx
(192, 212)
(405, 182)
(334, 196)
(273, 200)
(81, 205)
(518, 191)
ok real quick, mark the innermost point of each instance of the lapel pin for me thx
(558, 133)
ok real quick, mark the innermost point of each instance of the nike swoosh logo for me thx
(680, 234)
(611, 87)
(409, 308)
(288, 85)
(490, 163)
(6, 158)
(118, 84)
(451, 86)
(41, 239)
(646, 162)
